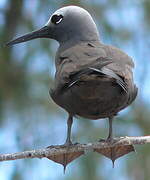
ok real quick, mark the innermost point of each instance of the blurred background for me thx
(29, 119)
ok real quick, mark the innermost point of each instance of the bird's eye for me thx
(56, 19)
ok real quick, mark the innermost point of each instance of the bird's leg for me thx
(69, 125)
(110, 136)
(113, 152)
(69, 156)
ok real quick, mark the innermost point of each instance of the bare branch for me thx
(60, 149)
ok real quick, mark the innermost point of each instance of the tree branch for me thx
(60, 149)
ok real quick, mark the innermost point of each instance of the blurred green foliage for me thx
(28, 114)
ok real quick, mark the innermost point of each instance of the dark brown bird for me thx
(92, 80)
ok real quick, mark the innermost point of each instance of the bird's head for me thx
(70, 23)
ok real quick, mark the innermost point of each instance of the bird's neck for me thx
(68, 44)
(86, 32)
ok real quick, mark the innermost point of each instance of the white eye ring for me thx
(56, 19)
(59, 21)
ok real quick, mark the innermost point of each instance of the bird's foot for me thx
(67, 157)
(68, 143)
(70, 156)
(108, 140)
(114, 152)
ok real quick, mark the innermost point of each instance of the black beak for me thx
(41, 33)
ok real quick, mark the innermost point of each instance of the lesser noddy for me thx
(92, 80)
